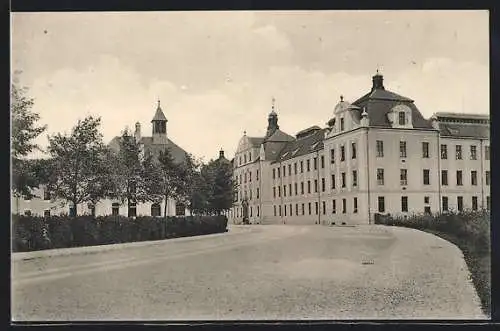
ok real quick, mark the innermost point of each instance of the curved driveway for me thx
(254, 272)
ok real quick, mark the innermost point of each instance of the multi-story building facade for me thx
(42, 204)
(376, 155)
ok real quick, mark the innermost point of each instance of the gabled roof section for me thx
(178, 153)
(159, 116)
(302, 146)
(279, 136)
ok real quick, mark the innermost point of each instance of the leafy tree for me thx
(222, 186)
(24, 131)
(80, 173)
(129, 183)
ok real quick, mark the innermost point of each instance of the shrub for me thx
(31, 233)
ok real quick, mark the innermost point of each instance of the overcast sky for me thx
(216, 72)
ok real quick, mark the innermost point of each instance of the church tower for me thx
(159, 123)
(272, 122)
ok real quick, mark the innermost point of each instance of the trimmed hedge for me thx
(31, 233)
(470, 231)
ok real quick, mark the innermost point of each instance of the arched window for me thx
(155, 209)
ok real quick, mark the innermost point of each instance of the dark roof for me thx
(275, 143)
(379, 103)
(307, 131)
(302, 146)
(465, 130)
(159, 116)
(177, 152)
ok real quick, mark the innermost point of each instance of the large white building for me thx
(43, 205)
(377, 154)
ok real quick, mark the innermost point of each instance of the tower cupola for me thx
(159, 124)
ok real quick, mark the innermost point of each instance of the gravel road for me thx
(253, 272)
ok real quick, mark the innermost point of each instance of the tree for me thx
(24, 131)
(129, 181)
(80, 173)
(222, 186)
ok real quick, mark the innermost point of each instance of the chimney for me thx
(378, 82)
(137, 133)
(221, 154)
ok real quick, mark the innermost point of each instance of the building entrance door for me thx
(245, 212)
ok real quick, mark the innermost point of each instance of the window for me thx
(296, 209)
(323, 185)
(180, 209)
(344, 206)
(309, 205)
(380, 176)
(245, 158)
(488, 202)
(315, 162)
(487, 178)
(46, 213)
(289, 170)
(251, 211)
(290, 189)
(402, 149)
(381, 205)
(333, 182)
(295, 167)
(258, 211)
(295, 185)
(402, 118)
(355, 205)
(458, 152)
(474, 203)
(257, 175)
(279, 172)
(427, 210)
(285, 209)
(427, 176)
(258, 193)
(324, 207)
(91, 208)
(250, 176)
(245, 177)
(322, 162)
(284, 190)
(342, 124)
(301, 166)
(473, 152)
(284, 171)
(445, 203)
(404, 204)
(426, 199)
(343, 180)
(473, 177)
(274, 210)
(334, 207)
(332, 155)
(380, 148)
(279, 191)
(403, 176)
(303, 210)
(155, 210)
(27, 212)
(308, 186)
(279, 210)
(115, 209)
(46, 194)
(425, 150)
(459, 178)
(274, 192)
(486, 152)
(308, 165)
(241, 178)
(315, 185)
(444, 152)
(342, 153)
(444, 177)
(353, 150)
(460, 203)
(301, 187)
(354, 178)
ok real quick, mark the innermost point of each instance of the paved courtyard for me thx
(251, 272)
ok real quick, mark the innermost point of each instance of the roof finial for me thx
(245, 132)
(273, 101)
(158, 102)
(341, 98)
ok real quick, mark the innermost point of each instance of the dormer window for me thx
(402, 118)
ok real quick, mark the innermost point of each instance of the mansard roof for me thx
(302, 146)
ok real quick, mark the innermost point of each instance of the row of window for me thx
(460, 203)
(244, 194)
(290, 211)
(238, 212)
(403, 176)
(245, 159)
(277, 171)
(242, 178)
(444, 151)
